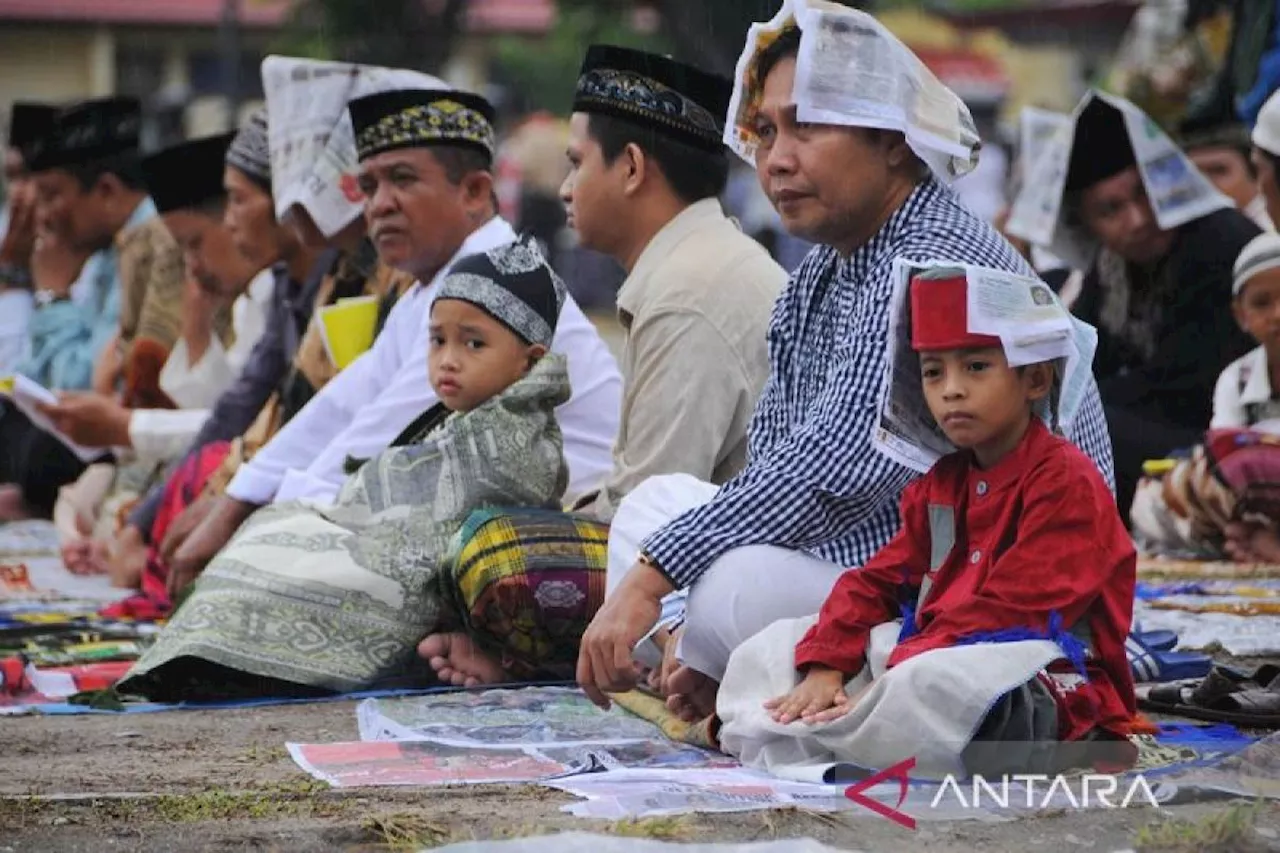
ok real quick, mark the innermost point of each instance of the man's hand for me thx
(199, 309)
(669, 641)
(89, 419)
(604, 660)
(127, 558)
(20, 239)
(108, 369)
(54, 264)
(210, 537)
(820, 698)
(181, 528)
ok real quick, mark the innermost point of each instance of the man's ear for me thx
(634, 161)
(534, 353)
(897, 151)
(477, 187)
(107, 186)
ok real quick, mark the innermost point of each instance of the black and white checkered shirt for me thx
(814, 482)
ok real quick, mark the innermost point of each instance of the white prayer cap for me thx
(313, 150)
(1266, 133)
(1260, 254)
(851, 71)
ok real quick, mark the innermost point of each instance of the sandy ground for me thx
(222, 781)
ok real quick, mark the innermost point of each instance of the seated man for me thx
(1013, 539)
(1222, 154)
(89, 193)
(425, 158)
(816, 497)
(18, 222)
(1158, 263)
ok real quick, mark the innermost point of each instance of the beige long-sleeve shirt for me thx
(695, 309)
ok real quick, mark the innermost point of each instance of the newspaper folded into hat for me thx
(1033, 326)
(1177, 190)
(852, 71)
(313, 151)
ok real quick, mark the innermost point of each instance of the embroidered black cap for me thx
(418, 118)
(188, 174)
(88, 131)
(675, 99)
(513, 284)
(28, 123)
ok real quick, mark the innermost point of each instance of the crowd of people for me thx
(485, 495)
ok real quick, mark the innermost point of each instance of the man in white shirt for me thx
(425, 172)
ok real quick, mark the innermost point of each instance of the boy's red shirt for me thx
(1036, 534)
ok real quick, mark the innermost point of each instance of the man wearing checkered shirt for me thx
(816, 497)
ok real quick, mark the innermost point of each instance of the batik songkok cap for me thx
(1266, 133)
(940, 315)
(419, 118)
(513, 284)
(250, 152)
(85, 132)
(187, 175)
(675, 99)
(1260, 254)
(28, 123)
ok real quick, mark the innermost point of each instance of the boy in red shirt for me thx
(1013, 537)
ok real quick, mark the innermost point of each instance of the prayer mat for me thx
(20, 539)
(651, 708)
(1163, 567)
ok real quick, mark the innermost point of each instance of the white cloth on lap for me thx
(927, 707)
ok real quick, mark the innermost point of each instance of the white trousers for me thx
(744, 591)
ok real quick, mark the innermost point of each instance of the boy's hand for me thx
(820, 698)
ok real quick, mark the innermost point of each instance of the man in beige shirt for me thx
(648, 164)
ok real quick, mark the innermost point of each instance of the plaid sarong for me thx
(526, 583)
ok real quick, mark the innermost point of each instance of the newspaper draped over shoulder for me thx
(852, 71)
(1178, 191)
(313, 151)
(1033, 326)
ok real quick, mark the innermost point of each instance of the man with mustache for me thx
(425, 160)
(816, 498)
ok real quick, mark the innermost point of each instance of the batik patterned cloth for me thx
(527, 583)
(338, 597)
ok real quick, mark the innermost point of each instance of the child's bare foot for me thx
(820, 698)
(457, 661)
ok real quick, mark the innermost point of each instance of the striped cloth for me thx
(526, 583)
(813, 481)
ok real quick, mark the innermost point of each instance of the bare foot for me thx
(691, 695)
(12, 506)
(458, 661)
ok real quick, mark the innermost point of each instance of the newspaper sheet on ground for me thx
(1023, 312)
(1178, 191)
(533, 715)
(313, 152)
(852, 71)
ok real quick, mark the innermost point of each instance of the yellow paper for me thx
(6, 384)
(1156, 467)
(347, 328)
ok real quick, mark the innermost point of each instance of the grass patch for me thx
(657, 828)
(406, 831)
(1228, 831)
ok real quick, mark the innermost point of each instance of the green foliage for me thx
(543, 71)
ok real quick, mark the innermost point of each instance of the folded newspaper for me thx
(27, 395)
(313, 151)
(1033, 326)
(852, 71)
(1177, 190)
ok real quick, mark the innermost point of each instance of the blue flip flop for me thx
(1162, 641)
(1153, 664)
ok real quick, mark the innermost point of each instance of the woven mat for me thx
(1163, 567)
(655, 711)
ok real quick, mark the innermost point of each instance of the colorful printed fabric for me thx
(527, 583)
(181, 490)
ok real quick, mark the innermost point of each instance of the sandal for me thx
(1222, 696)
(1153, 664)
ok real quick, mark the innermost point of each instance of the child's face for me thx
(1257, 308)
(979, 401)
(473, 357)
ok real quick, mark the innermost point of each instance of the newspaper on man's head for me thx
(1178, 192)
(852, 71)
(313, 151)
(1033, 326)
